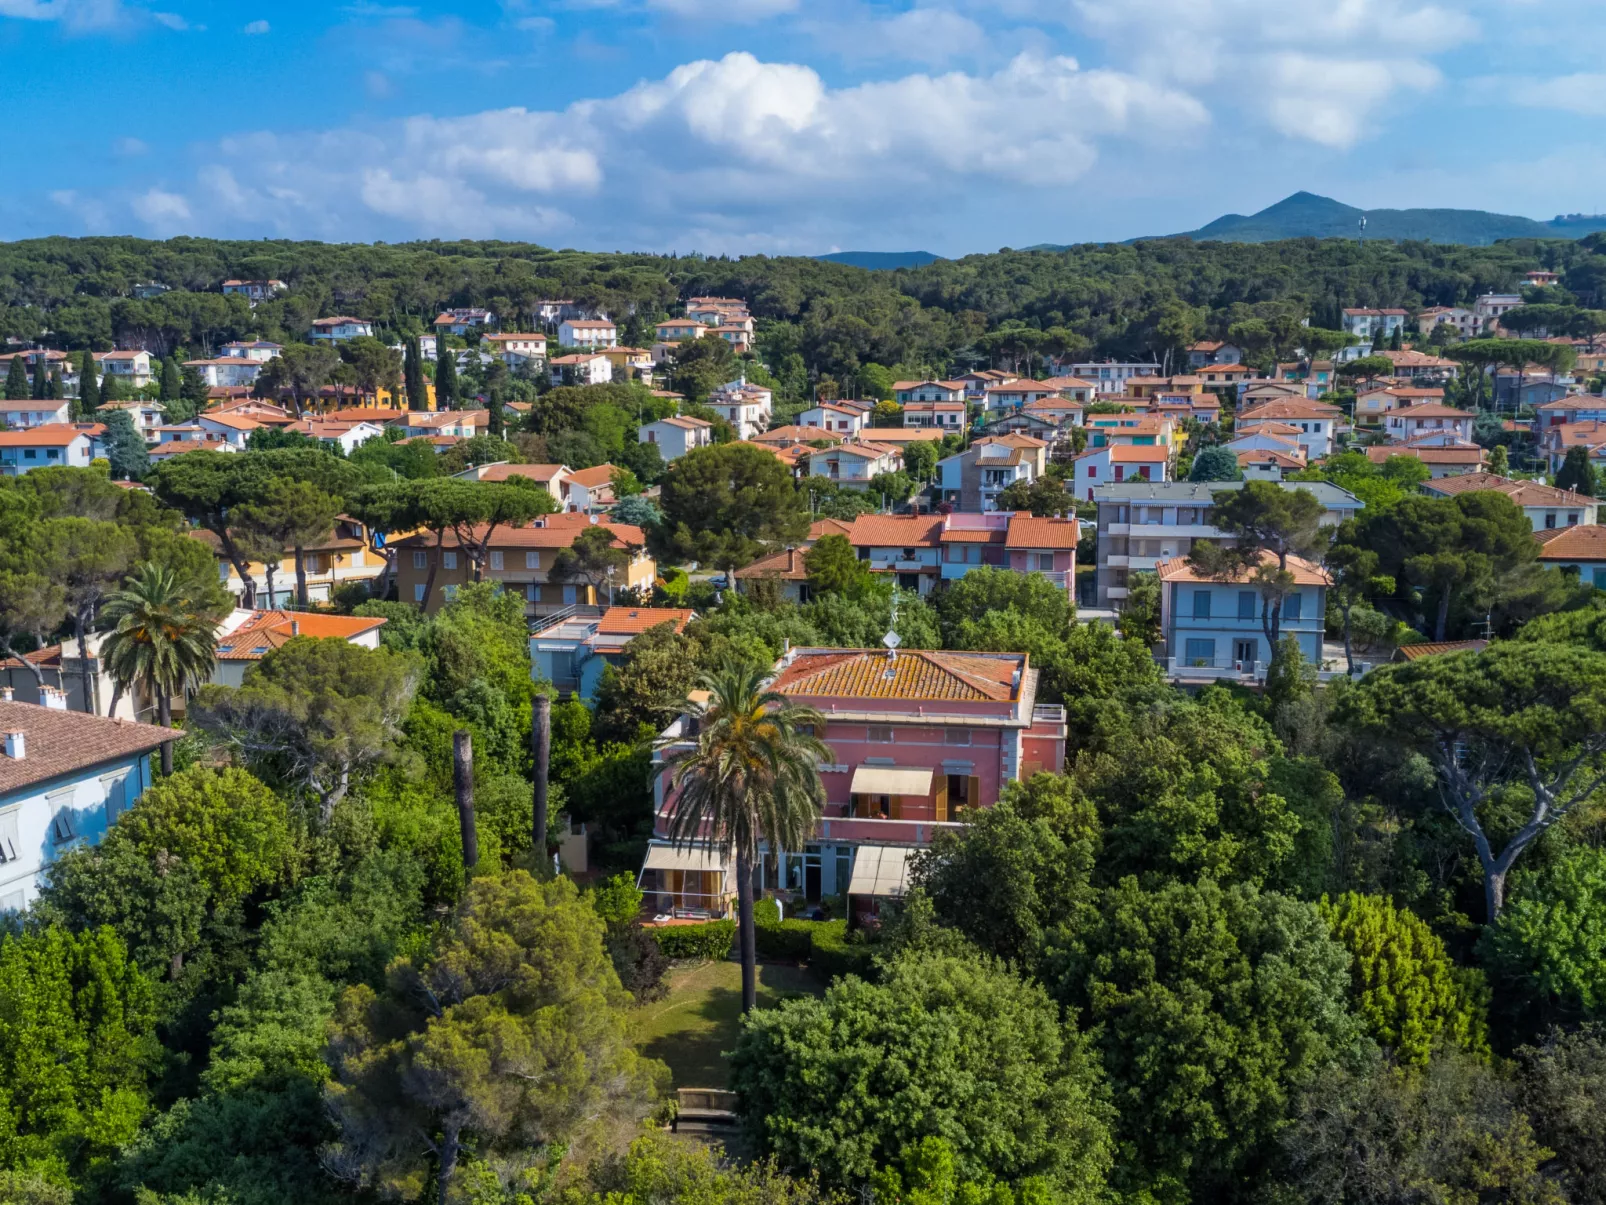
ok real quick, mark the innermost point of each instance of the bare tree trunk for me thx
(434, 568)
(1441, 622)
(38, 674)
(747, 936)
(164, 714)
(117, 695)
(449, 1149)
(81, 629)
(463, 780)
(248, 593)
(268, 570)
(541, 751)
(1349, 655)
(301, 576)
(1494, 894)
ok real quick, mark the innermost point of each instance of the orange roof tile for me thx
(894, 531)
(1585, 542)
(1180, 569)
(1523, 493)
(915, 674)
(268, 630)
(602, 474)
(627, 621)
(1031, 531)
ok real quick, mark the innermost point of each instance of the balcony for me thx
(884, 832)
(1182, 669)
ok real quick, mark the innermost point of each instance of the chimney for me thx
(295, 627)
(55, 699)
(16, 748)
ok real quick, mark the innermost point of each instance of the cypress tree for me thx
(58, 387)
(88, 386)
(446, 379)
(495, 425)
(41, 382)
(413, 370)
(16, 381)
(172, 380)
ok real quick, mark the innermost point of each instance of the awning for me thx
(881, 870)
(696, 857)
(891, 780)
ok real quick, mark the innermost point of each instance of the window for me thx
(1572, 518)
(532, 593)
(1294, 607)
(532, 560)
(1200, 652)
(496, 559)
(451, 593)
(1550, 518)
(418, 593)
(570, 596)
(420, 560)
(1246, 604)
(956, 736)
(1201, 604)
(652, 437)
(1045, 561)
(878, 735)
(449, 560)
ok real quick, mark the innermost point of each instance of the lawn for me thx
(692, 1027)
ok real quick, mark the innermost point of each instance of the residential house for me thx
(1021, 422)
(1144, 387)
(1108, 375)
(571, 651)
(248, 636)
(259, 350)
(549, 476)
(582, 368)
(917, 738)
(1208, 351)
(463, 321)
(347, 436)
(629, 362)
(720, 311)
(588, 333)
(1013, 395)
(1413, 423)
(1214, 628)
(836, 418)
(1062, 413)
(1580, 550)
(1018, 541)
(854, 463)
(675, 436)
(20, 414)
(516, 349)
(65, 777)
(1261, 392)
(793, 434)
(254, 290)
(1317, 421)
(589, 491)
(1372, 404)
(464, 424)
(949, 416)
(146, 416)
(1222, 376)
(1270, 464)
(974, 479)
(1202, 407)
(132, 368)
(1442, 460)
(1534, 387)
(349, 553)
(680, 330)
(552, 312)
(1264, 444)
(1541, 279)
(169, 448)
(519, 559)
(738, 335)
(339, 329)
(1141, 524)
(1465, 323)
(1412, 365)
(976, 383)
(1316, 375)
(214, 425)
(904, 392)
(1371, 325)
(1492, 307)
(747, 407)
(52, 445)
(227, 371)
(1575, 408)
(1073, 389)
(1116, 463)
(1141, 430)
(1546, 507)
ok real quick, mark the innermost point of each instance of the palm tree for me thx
(752, 776)
(159, 640)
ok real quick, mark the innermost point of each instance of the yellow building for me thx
(346, 556)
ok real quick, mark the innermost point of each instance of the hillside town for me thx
(975, 688)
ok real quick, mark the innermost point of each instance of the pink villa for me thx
(916, 736)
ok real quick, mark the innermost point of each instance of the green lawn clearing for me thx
(692, 1027)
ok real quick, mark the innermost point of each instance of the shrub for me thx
(639, 960)
(712, 940)
(792, 939)
(836, 952)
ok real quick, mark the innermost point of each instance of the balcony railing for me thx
(1198, 669)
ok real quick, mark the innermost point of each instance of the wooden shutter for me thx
(942, 797)
(895, 807)
(973, 792)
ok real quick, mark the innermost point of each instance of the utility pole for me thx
(463, 779)
(541, 751)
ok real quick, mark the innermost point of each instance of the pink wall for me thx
(919, 748)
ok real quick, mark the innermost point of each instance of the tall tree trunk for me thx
(1442, 620)
(434, 568)
(747, 936)
(449, 1150)
(1349, 654)
(81, 629)
(541, 754)
(164, 714)
(117, 695)
(242, 567)
(463, 781)
(268, 571)
(301, 576)
(1494, 894)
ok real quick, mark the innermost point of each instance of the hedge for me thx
(834, 955)
(790, 939)
(711, 940)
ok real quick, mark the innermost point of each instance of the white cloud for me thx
(728, 10)
(74, 14)
(131, 147)
(919, 35)
(1334, 101)
(1583, 93)
(171, 21)
(256, 28)
(738, 153)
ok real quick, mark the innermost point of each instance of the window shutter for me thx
(973, 794)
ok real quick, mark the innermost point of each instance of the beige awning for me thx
(890, 780)
(881, 870)
(696, 857)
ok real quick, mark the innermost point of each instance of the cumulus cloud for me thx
(257, 28)
(1583, 93)
(919, 35)
(74, 14)
(737, 147)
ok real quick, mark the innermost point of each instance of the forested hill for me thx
(1306, 215)
(1107, 300)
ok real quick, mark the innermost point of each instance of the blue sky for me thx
(785, 126)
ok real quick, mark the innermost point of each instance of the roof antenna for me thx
(892, 640)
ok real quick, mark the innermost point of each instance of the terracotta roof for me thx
(1179, 569)
(795, 434)
(862, 449)
(1430, 410)
(1284, 460)
(1030, 531)
(975, 535)
(1589, 433)
(57, 435)
(535, 472)
(555, 531)
(335, 321)
(821, 528)
(1267, 428)
(685, 424)
(907, 435)
(1290, 408)
(56, 743)
(1136, 453)
(177, 447)
(1410, 652)
(915, 674)
(1576, 401)
(602, 474)
(786, 565)
(1416, 359)
(512, 336)
(268, 630)
(894, 531)
(1523, 493)
(1584, 542)
(579, 357)
(1012, 439)
(1427, 455)
(588, 324)
(239, 422)
(625, 621)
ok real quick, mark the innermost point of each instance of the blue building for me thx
(1214, 627)
(65, 776)
(571, 651)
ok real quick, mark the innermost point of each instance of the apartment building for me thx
(52, 445)
(1214, 628)
(973, 479)
(675, 436)
(917, 738)
(590, 334)
(1141, 524)
(571, 651)
(1109, 375)
(1119, 463)
(338, 329)
(746, 407)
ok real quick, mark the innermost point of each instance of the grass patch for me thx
(693, 1027)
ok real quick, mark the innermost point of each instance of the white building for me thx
(746, 407)
(949, 416)
(1117, 463)
(854, 464)
(1317, 422)
(254, 290)
(228, 372)
(587, 332)
(835, 418)
(517, 349)
(336, 330)
(1546, 507)
(675, 436)
(582, 368)
(133, 368)
(1369, 325)
(1413, 424)
(1108, 375)
(65, 776)
(21, 414)
(147, 416)
(258, 349)
(1492, 307)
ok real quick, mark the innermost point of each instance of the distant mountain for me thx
(881, 259)
(1305, 215)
